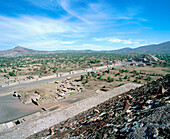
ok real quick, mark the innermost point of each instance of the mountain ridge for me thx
(154, 48)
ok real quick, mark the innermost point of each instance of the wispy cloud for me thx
(78, 24)
(133, 42)
(29, 29)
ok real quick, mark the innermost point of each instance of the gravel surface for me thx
(156, 125)
(49, 119)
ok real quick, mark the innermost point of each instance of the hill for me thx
(155, 48)
(21, 51)
(162, 47)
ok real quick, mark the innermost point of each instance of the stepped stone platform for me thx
(47, 120)
(139, 113)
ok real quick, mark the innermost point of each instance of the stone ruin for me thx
(33, 97)
(138, 113)
(67, 86)
(146, 58)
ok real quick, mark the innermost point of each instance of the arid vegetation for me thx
(96, 81)
(52, 63)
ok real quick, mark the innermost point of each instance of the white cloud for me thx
(67, 42)
(34, 31)
(99, 39)
(121, 41)
(27, 25)
(115, 40)
(91, 46)
(47, 44)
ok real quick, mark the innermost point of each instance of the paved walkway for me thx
(54, 117)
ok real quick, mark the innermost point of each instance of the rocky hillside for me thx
(21, 51)
(139, 113)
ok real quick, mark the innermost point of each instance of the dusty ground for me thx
(48, 91)
(95, 84)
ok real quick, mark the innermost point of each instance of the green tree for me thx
(149, 78)
(93, 74)
(100, 77)
(5, 71)
(12, 74)
(87, 80)
(88, 73)
(111, 80)
(125, 77)
(82, 77)
(136, 80)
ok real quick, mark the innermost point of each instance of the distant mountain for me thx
(21, 51)
(162, 47)
(72, 51)
(155, 48)
(127, 49)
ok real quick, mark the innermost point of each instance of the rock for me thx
(52, 131)
(9, 124)
(128, 111)
(16, 94)
(127, 104)
(95, 110)
(105, 136)
(149, 101)
(151, 132)
(129, 120)
(168, 101)
(163, 90)
(102, 114)
(115, 130)
(35, 102)
(147, 107)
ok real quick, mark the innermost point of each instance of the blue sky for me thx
(83, 24)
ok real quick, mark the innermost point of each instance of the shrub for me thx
(126, 77)
(110, 79)
(88, 73)
(82, 77)
(12, 74)
(121, 84)
(100, 77)
(136, 80)
(93, 74)
(87, 80)
(149, 78)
